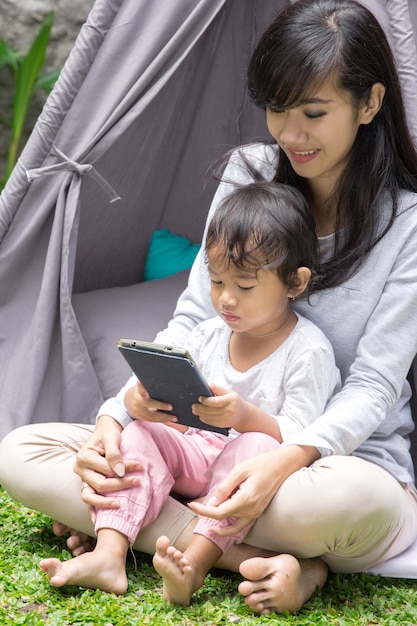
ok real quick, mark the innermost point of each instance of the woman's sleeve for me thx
(115, 407)
(383, 358)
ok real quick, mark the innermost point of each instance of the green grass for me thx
(26, 597)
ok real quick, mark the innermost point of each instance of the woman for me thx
(340, 495)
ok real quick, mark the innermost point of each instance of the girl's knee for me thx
(256, 443)
(249, 445)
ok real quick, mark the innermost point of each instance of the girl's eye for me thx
(216, 282)
(246, 288)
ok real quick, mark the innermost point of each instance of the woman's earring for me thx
(292, 298)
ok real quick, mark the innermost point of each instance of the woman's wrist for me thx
(106, 422)
(298, 456)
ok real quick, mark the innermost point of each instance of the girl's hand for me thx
(100, 465)
(251, 485)
(142, 407)
(225, 409)
(228, 410)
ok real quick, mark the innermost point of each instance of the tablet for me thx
(170, 375)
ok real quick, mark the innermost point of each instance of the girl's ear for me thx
(373, 104)
(300, 282)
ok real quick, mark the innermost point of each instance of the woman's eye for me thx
(315, 114)
(275, 109)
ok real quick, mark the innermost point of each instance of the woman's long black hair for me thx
(307, 43)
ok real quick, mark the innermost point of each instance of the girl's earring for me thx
(292, 298)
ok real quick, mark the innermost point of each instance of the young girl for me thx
(274, 373)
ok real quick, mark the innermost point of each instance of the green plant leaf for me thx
(47, 81)
(8, 56)
(26, 75)
(28, 71)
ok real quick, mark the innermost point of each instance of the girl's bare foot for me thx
(94, 570)
(178, 573)
(280, 583)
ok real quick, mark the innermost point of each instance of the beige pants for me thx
(350, 512)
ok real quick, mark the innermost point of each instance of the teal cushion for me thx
(169, 254)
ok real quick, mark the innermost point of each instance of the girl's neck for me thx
(250, 348)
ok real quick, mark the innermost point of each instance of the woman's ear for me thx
(373, 104)
(300, 282)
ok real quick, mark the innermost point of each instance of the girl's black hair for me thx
(307, 43)
(265, 225)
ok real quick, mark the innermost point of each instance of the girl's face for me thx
(317, 136)
(248, 301)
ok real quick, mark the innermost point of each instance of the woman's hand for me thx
(100, 465)
(251, 485)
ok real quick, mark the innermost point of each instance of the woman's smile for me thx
(301, 156)
(318, 134)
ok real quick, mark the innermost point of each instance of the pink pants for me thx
(188, 465)
(246, 446)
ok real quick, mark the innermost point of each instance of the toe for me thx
(60, 529)
(256, 568)
(247, 587)
(162, 545)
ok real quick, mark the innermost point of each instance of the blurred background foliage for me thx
(27, 79)
(36, 37)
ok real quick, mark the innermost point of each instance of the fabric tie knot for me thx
(68, 165)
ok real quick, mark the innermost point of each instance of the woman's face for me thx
(317, 136)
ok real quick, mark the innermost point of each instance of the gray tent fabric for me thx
(151, 94)
(116, 99)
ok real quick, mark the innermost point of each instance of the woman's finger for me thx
(88, 462)
(207, 511)
(237, 505)
(106, 484)
(239, 524)
(94, 499)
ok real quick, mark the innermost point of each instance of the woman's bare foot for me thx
(180, 576)
(77, 542)
(94, 570)
(280, 583)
